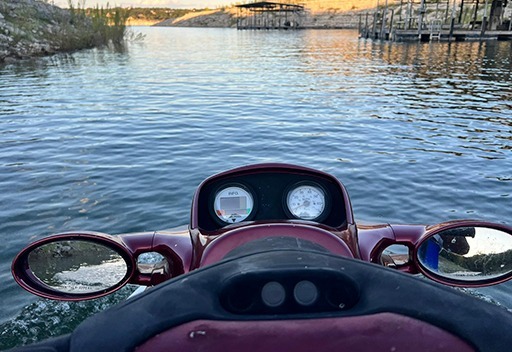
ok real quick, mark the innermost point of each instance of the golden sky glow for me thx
(189, 4)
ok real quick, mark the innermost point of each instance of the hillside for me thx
(148, 16)
(31, 28)
(207, 18)
(26, 28)
(346, 14)
(318, 14)
(319, 6)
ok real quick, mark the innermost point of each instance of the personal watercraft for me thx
(272, 259)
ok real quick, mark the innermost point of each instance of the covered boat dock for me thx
(269, 15)
(427, 20)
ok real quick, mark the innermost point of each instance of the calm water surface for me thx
(117, 141)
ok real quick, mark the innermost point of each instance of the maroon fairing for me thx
(224, 244)
(189, 249)
(378, 332)
(254, 281)
(270, 182)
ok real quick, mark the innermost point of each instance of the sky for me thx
(175, 4)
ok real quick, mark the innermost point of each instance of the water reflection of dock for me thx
(427, 20)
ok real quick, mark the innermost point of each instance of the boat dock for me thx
(448, 20)
(269, 15)
(426, 35)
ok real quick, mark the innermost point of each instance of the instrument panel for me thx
(236, 203)
(264, 193)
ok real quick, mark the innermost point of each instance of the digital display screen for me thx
(233, 203)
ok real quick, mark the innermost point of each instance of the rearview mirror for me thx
(73, 267)
(467, 255)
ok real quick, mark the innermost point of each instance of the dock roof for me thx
(271, 6)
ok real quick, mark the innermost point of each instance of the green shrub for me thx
(89, 28)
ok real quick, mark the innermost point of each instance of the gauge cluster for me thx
(306, 201)
(233, 204)
(269, 194)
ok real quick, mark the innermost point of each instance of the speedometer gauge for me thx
(233, 204)
(306, 201)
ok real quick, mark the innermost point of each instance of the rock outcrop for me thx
(34, 28)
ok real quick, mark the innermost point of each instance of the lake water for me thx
(117, 140)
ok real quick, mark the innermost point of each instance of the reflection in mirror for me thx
(468, 253)
(395, 255)
(77, 266)
(152, 263)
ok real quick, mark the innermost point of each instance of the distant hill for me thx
(347, 14)
(339, 5)
(148, 16)
(319, 14)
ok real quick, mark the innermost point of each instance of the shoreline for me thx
(32, 28)
(49, 27)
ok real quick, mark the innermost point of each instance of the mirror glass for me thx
(395, 255)
(77, 266)
(468, 253)
(151, 262)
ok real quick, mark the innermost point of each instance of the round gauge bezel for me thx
(222, 188)
(294, 186)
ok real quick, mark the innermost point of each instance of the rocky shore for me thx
(30, 28)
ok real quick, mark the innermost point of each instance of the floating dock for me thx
(443, 35)
(448, 20)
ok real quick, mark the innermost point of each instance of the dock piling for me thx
(433, 21)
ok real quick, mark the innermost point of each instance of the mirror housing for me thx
(466, 254)
(74, 266)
